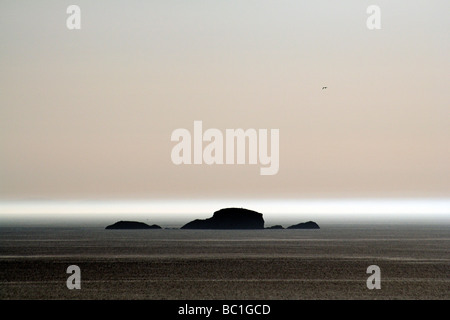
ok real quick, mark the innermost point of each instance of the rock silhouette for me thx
(275, 227)
(229, 218)
(305, 225)
(132, 225)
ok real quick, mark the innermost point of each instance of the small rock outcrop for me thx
(275, 227)
(122, 225)
(305, 225)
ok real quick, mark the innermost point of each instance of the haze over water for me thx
(175, 213)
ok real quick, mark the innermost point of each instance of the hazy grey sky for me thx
(88, 114)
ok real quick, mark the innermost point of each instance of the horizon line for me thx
(324, 210)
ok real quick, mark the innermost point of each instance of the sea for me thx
(335, 262)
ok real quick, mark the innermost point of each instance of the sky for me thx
(87, 115)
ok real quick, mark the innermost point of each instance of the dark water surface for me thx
(329, 263)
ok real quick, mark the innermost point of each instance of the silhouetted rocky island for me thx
(275, 227)
(229, 218)
(132, 225)
(305, 225)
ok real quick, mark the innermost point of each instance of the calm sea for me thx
(330, 263)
